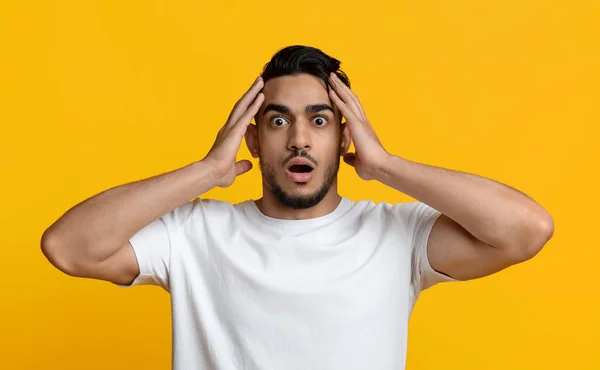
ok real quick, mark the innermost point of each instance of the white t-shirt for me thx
(253, 292)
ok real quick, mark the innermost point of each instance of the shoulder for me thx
(402, 211)
(410, 216)
(213, 207)
(196, 209)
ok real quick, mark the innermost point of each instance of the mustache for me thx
(300, 153)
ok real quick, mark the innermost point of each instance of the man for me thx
(302, 278)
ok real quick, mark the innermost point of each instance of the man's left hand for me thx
(370, 155)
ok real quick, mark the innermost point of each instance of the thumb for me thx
(242, 167)
(350, 158)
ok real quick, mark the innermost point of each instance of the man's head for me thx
(298, 136)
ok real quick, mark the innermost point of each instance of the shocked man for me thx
(302, 278)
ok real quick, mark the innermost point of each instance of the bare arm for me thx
(96, 229)
(485, 226)
(92, 238)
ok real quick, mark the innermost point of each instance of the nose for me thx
(299, 137)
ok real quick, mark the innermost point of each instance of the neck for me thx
(270, 206)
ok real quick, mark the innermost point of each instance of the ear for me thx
(345, 139)
(252, 139)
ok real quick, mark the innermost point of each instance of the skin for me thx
(485, 226)
(283, 134)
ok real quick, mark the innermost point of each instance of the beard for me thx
(300, 201)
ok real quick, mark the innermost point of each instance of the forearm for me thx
(490, 211)
(97, 227)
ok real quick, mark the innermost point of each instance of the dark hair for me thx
(297, 59)
(303, 59)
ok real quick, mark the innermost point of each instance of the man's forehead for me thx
(299, 84)
(296, 91)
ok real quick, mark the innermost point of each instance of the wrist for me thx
(391, 169)
(207, 172)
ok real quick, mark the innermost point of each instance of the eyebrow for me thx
(311, 108)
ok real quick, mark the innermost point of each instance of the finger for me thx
(349, 158)
(343, 107)
(242, 105)
(345, 89)
(245, 119)
(346, 95)
(242, 166)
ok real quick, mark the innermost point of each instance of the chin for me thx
(299, 195)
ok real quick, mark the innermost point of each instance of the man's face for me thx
(297, 122)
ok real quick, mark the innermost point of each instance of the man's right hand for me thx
(92, 239)
(222, 155)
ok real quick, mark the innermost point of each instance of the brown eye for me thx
(278, 121)
(320, 121)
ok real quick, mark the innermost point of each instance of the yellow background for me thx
(94, 94)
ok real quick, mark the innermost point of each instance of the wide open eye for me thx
(320, 121)
(278, 121)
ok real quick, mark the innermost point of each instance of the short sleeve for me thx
(152, 246)
(418, 219)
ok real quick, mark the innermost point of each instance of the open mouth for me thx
(300, 168)
(300, 173)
